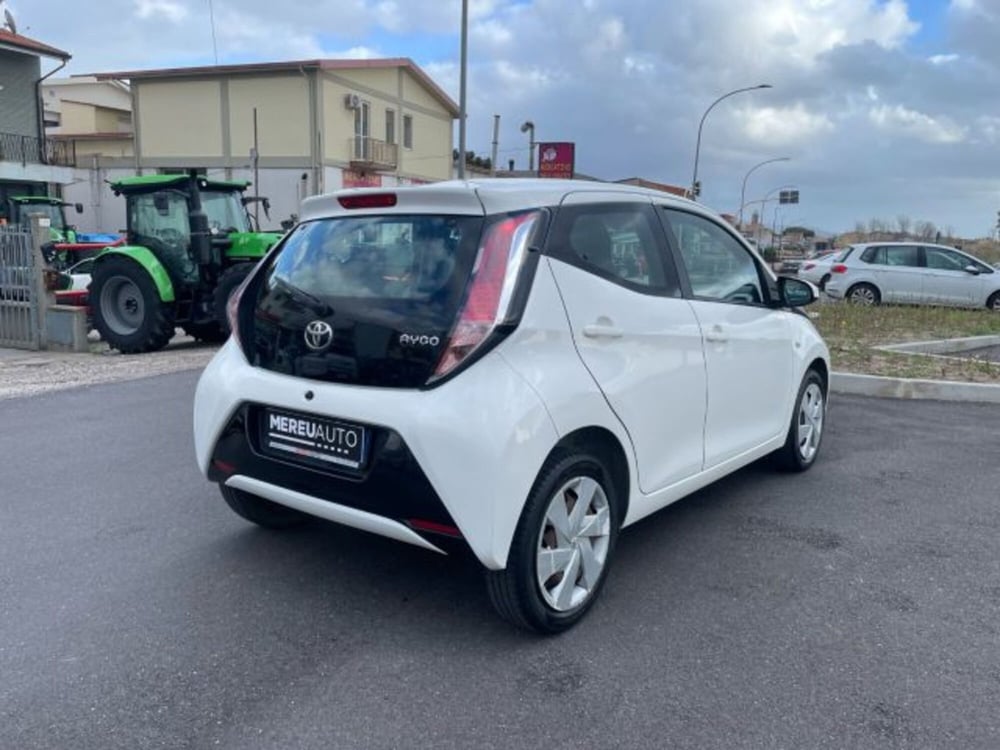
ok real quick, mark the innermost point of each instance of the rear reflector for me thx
(434, 527)
(807, 266)
(368, 200)
(838, 268)
(226, 468)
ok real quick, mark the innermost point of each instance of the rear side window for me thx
(378, 257)
(616, 241)
(844, 255)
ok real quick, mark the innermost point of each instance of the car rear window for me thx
(377, 257)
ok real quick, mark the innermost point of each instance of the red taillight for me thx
(368, 200)
(490, 290)
(838, 268)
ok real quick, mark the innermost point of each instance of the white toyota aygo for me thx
(518, 368)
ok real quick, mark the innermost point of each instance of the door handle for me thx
(595, 331)
(716, 335)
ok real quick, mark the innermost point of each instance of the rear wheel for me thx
(993, 303)
(562, 547)
(260, 511)
(127, 308)
(864, 294)
(805, 433)
(822, 282)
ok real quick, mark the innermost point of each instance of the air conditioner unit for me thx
(352, 101)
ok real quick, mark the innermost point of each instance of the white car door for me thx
(749, 351)
(898, 273)
(635, 333)
(946, 282)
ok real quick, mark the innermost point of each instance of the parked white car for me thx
(817, 270)
(914, 273)
(518, 368)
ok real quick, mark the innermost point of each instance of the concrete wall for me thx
(18, 99)
(180, 120)
(112, 148)
(283, 125)
(102, 211)
(78, 118)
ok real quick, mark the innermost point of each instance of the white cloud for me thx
(942, 59)
(902, 121)
(172, 11)
(783, 126)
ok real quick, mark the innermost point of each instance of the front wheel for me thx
(993, 303)
(127, 308)
(805, 433)
(562, 547)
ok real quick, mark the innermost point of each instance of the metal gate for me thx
(19, 289)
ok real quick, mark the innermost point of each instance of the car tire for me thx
(993, 303)
(260, 511)
(127, 308)
(210, 333)
(229, 282)
(822, 282)
(805, 431)
(519, 593)
(863, 294)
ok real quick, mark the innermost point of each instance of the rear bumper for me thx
(464, 454)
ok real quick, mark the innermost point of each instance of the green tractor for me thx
(21, 207)
(188, 247)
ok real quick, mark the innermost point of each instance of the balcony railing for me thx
(29, 150)
(369, 152)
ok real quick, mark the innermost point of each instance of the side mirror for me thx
(974, 270)
(796, 292)
(78, 207)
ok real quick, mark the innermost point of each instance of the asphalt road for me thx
(857, 605)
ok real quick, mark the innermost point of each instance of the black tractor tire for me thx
(515, 591)
(260, 511)
(127, 309)
(229, 282)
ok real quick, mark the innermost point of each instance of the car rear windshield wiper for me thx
(301, 294)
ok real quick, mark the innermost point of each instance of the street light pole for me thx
(529, 126)
(461, 89)
(743, 191)
(697, 148)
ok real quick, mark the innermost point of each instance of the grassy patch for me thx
(851, 331)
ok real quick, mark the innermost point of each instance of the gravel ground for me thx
(27, 373)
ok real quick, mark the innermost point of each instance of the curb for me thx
(906, 388)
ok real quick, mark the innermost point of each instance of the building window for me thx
(407, 131)
(390, 126)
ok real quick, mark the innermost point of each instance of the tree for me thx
(925, 230)
(905, 223)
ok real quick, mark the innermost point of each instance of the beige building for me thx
(302, 128)
(96, 116)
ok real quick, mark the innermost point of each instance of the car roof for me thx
(484, 196)
(906, 243)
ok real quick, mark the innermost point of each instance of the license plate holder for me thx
(312, 440)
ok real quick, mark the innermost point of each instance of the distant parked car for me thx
(914, 273)
(817, 270)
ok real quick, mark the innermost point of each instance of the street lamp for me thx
(461, 89)
(743, 192)
(529, 126)
(695, 188)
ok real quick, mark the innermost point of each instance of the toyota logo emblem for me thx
(319, 335)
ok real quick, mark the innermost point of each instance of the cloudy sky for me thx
(885, 107)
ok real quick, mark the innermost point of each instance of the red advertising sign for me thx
(556, 160)
(354, 179)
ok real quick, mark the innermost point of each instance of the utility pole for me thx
(496, 144)
(461, 89)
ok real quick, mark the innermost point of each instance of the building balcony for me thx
(369, 153)
(25, 149)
